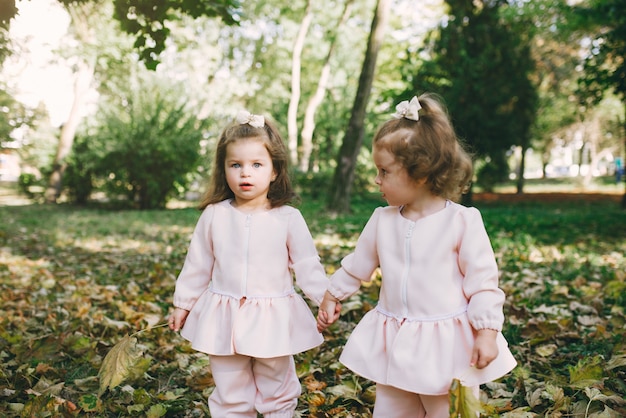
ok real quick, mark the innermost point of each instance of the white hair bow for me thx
(256, 121)
(408, 110)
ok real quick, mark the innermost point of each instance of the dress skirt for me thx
(420, 355)
(262, 327)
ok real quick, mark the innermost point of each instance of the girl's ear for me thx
(274, 175)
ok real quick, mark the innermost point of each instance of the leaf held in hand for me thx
(463, 403)
(119, 363)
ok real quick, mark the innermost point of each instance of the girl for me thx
(234, 298)
(439, 313)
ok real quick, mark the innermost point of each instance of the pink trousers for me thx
(245, 385)
(392, 402)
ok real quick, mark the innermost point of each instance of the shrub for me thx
(141, 151)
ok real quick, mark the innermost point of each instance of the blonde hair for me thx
(430, 149)
(280, 192)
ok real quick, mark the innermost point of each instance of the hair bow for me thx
(256, 121)
(408, 110)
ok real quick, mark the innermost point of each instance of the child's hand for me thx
(177, 319)
(485, 348)
(329, 311)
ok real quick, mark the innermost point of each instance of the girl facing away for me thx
(439, 314)
(234, 297)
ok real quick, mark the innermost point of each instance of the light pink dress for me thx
(439, 283)
(234, 255)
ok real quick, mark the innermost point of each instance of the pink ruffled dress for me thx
(233, 255)
(439, 284)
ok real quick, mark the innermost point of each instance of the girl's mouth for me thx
(245, 186)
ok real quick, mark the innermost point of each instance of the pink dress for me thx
(439, 283)
(233, 255)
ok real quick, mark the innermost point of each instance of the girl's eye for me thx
(235, 165)
(256, 165)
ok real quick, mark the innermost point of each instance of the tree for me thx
(296, 56)
(605, 66)
(308, 125)
(339, 197)
(7, 12)
(82, 16)
(481, 65)
(555, 53)
(15, 115)
(148, 141)
(144, 18)
(147, 20)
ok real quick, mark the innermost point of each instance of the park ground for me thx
(74, 281)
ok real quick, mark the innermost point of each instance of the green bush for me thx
(141, 152)
(30, 185)
(80, 172)
(25, 181)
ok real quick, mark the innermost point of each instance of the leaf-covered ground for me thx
(76, 283)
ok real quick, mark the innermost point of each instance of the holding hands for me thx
(329, 311)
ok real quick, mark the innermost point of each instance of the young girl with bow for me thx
(234, 298)
(439, 314)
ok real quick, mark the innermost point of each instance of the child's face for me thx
(249, 172)
(393, 180)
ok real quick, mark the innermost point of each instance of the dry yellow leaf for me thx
(463, 403)
(119, 363)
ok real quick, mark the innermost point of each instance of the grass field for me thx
(74, 282)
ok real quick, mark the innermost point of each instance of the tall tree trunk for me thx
(522, 168)
(296, 64)
(339, 198)
(80, 14)
(84, 77)
(308, 126)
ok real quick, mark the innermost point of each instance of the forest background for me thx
(536, 88)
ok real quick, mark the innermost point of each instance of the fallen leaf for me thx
(546, 350)
(463, 403)
(118, 363)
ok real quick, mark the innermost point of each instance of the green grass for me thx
(74, 281)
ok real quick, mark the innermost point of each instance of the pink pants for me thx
(245, 385)
(392, 402)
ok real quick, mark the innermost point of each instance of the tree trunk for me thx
(84, 77)
(80, 15)
(522, 168)
(308, 126)
(339, 197)
(296, 64)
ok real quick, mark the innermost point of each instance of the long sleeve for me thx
(357, 267)
(478, 266)
(195, 275)
(304, 259)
